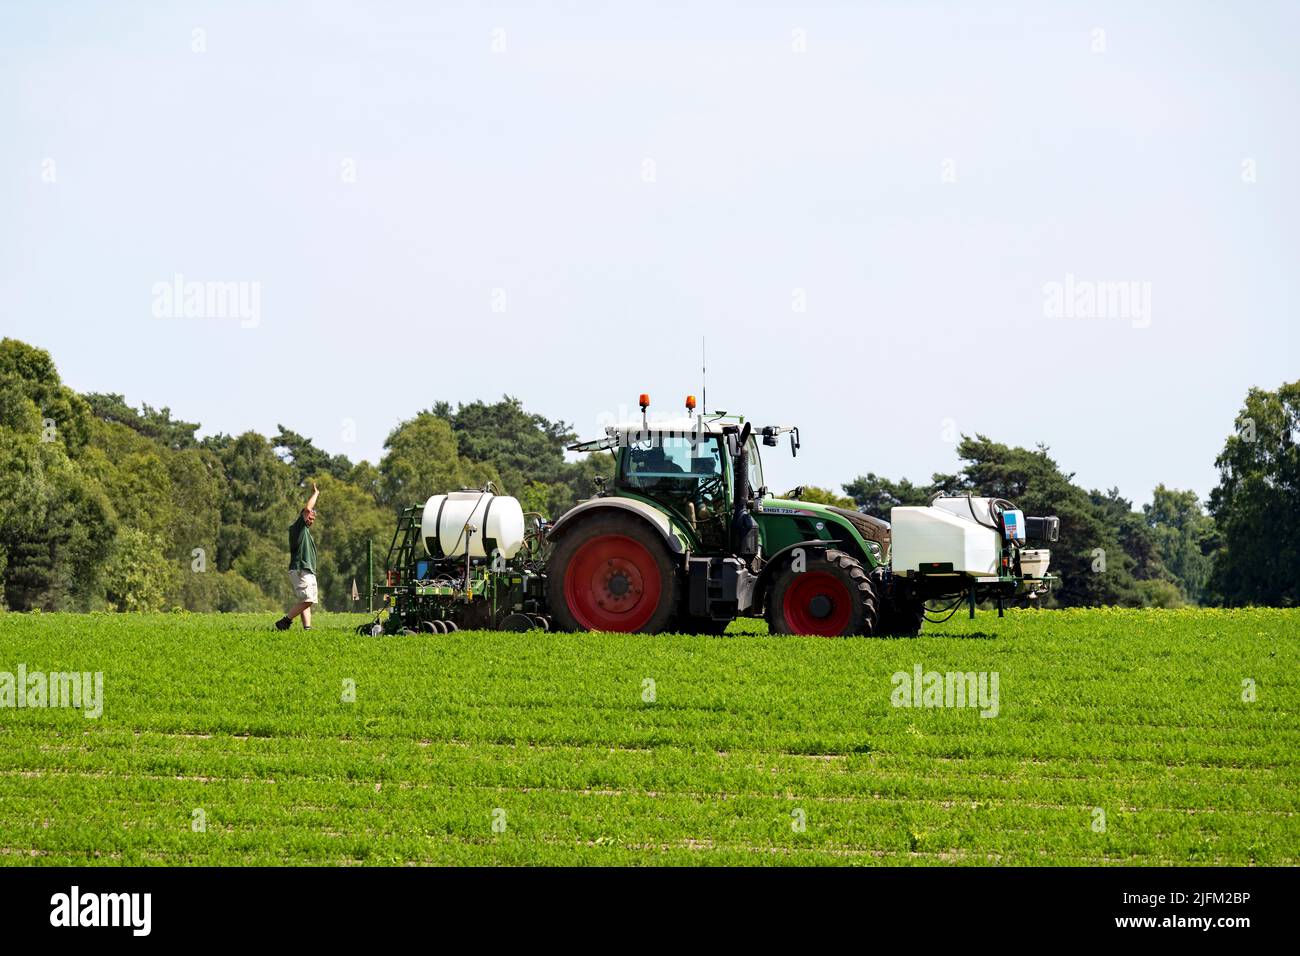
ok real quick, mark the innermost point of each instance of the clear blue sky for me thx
(920, 172)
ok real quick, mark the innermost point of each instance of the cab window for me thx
(683, 474)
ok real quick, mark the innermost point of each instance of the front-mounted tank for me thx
(477, 522)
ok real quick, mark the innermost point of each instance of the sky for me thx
(890, 223)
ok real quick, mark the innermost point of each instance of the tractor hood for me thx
(787, 521)
(870, 527)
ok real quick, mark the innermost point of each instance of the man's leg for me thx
(286, 622)
(309, 597)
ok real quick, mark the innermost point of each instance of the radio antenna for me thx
(704, 379)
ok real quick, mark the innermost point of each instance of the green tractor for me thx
(689, 537)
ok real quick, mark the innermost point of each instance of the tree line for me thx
(108, 507)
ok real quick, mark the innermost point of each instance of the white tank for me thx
(929, 536)
(498, 521)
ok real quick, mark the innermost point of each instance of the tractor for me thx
(688, 537)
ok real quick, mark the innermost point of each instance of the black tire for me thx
(854, 607)
(649, 554)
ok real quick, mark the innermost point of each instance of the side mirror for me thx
(794, 443)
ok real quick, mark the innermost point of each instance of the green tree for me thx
(1135, 535)
(56, 526)
(155, 424)
(1256, 505)
(137, 575)
(876, 495)
(199, 490)
(422, 459)
(527, 450)
(307, 460)
(1153, 584)
(28, 373)
(1186, 537)
(134, 475)
(213, 590)
(369, 479)
(521, 446)
(265, 562)
(261, 501)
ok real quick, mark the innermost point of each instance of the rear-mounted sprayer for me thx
(979, 542)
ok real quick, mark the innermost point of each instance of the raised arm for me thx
(311, 502)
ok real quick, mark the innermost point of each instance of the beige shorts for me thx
(304, 586)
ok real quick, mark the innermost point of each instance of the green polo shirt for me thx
(302, 549)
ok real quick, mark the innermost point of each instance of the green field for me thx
(1138, 714)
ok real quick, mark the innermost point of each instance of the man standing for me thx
(302, 565)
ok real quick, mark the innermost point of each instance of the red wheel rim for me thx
(817, 603)
(612, 584)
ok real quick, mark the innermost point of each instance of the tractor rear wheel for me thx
(612, 573)
(832, 596)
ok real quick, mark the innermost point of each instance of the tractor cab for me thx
(683, 467)
(687, 468)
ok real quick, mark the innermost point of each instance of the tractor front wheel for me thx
(612, 573)
(831, 596)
